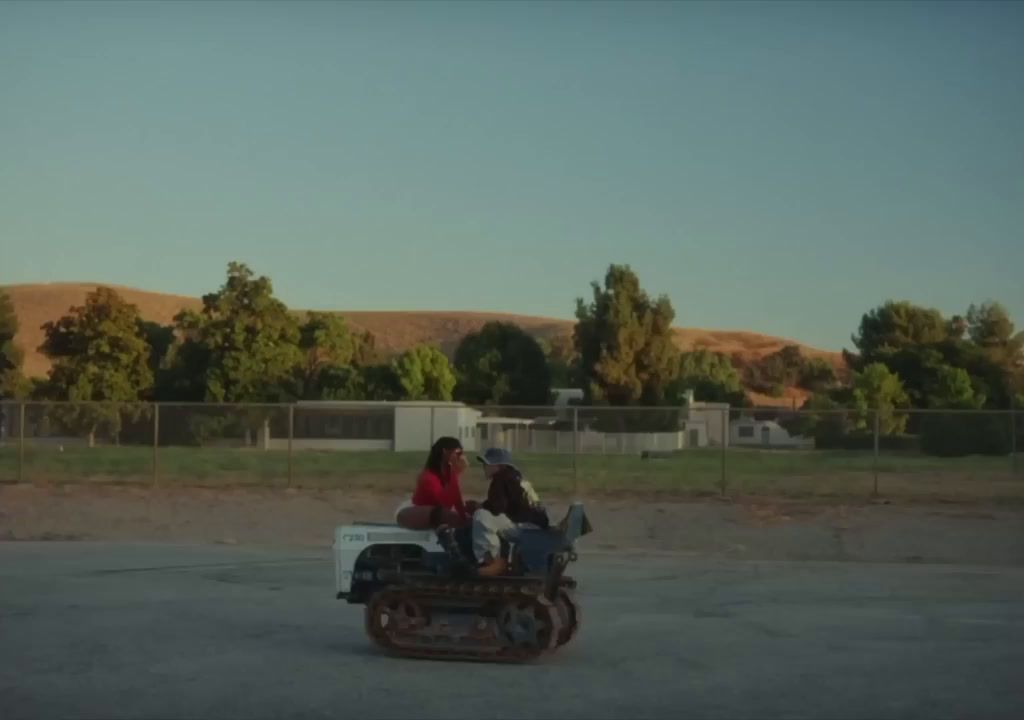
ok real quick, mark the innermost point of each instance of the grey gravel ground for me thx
(120, 630)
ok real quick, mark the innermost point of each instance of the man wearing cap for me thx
(511, 504)
(495, 460)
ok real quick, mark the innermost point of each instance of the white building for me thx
(506, 432)
(400, 426)
(563, 397)
(695, 434)
(749, 432)
(712, 419)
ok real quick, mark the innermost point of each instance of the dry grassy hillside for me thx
(394, 331)
(37, 304)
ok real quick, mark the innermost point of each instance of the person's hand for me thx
(452, 518)
(458, 463)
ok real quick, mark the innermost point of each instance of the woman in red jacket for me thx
(437, 499)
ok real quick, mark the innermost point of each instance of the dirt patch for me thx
(768, 530)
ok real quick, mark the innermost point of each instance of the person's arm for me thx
(504, 526)
(459, 504)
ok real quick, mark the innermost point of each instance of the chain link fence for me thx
(700, 450)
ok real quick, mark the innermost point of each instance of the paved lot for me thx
(158, 631)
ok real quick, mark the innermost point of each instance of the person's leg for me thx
(415, 517)
(427, 517)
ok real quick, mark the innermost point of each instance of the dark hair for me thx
(437, 451)
(506, 495)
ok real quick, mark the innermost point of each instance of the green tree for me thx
(160, 339)
(99, 355)
(365, 352)
(956, 433)
(817, 375)
(877, 389)
(912, 341)
(501, 364)
(922, 348)
(562, 360)
(823, 418)
(784, 366)
(181, 379)
(342, 382)
(989, 326)
(952, 389)
(381, 382)
(624, 342)
(424, 373)
(12, 383)
(999, 358)
(711, 376)
(325, 342)
(896, 326)
(243, 346)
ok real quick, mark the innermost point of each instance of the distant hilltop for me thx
(394, 331)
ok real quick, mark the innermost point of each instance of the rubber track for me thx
(427, 593)
(568, 633)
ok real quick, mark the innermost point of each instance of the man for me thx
(498, 460)
(510, 506)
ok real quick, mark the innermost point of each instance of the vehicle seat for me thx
(534, 548)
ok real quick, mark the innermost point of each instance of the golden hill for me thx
(394, 331)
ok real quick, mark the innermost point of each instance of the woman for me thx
(437, 499)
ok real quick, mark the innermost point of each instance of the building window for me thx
(746, 431)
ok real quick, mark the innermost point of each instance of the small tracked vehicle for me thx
(423, 598)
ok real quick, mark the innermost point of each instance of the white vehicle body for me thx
(351, 540)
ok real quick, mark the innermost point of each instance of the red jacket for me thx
(431, 490)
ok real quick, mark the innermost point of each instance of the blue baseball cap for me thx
(496, 456)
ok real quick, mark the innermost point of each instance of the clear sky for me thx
(775, 167)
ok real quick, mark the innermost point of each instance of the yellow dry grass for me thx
(394, 331)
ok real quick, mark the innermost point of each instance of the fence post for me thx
(725, 441)
(875, 460)
(1013, 441)
(575, 450)
(1013, 432)
(291, 435)
(156, 444)
(431, 426)
(21, 443)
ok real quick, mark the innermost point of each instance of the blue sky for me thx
(775, 167)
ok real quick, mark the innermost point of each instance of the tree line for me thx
(245, 346)
(911, 357)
